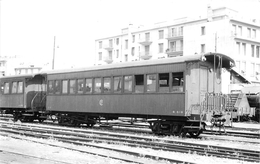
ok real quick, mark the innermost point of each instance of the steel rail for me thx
(170, 146)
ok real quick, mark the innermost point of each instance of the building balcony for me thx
(108, 60)
(145, 55)
(175, 36)
(242, 38)
(176, 51)
(145, 41)
(108, 47)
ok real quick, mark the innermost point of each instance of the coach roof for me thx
(180, 59)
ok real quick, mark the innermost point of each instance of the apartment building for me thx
(223, 30)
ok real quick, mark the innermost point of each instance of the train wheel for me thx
(195, 134)
(40, 120)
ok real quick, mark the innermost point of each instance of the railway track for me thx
(14, 155)
(72, 137)
(86, 137)
(144, 128)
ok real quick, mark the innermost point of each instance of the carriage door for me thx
(203, 82)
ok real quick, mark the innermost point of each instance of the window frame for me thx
(121, 84)
(156, 82)
(92, 85)
(70, 87)
(103, 85)
(67, 86)
(16, 89)
(132, 85)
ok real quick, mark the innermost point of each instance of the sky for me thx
(28, 27)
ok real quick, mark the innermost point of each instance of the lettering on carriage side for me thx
(101, 102)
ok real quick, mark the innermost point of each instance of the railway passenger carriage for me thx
(24, 96)
(168, 92)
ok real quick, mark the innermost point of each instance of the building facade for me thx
(223, 30)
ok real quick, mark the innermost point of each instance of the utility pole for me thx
(53, 57)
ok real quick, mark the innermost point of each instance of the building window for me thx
(88, 85)
(252, 69)
(238, 65)
(202, 48)
(133, 38)
(181, 31)
(100, 44)
(151, 83)
(174, 32)
(64, 86)
(117, 41)
(172, 46)
(244, 48)
(100, 56)
(257, 52)
(161, 34)
(126, 44)
(254, 33)
(203, 30)
(126, 57)
(252, 50)
(133, 51)
(238, 48)
(110, 56)
(128, 83)
(160, 47)
(243, 67)
(257, 69)
(139, 83)
(234, 29)
(110, 43)
(240, 30)
(249, 32)
(117, 53)
(147, 36)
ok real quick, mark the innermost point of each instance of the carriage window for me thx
(20, 87)
(50, 87)
(64, 86)
(128, 81)
(6, 89)
(164, 79)
(139, 83)
(88, 85)
(14, 87)
(72, 87)
(107, 85)
(117, 84)
(177, 82)
(80, 86)
(151, 83)
(97, 87)
(57, 87)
